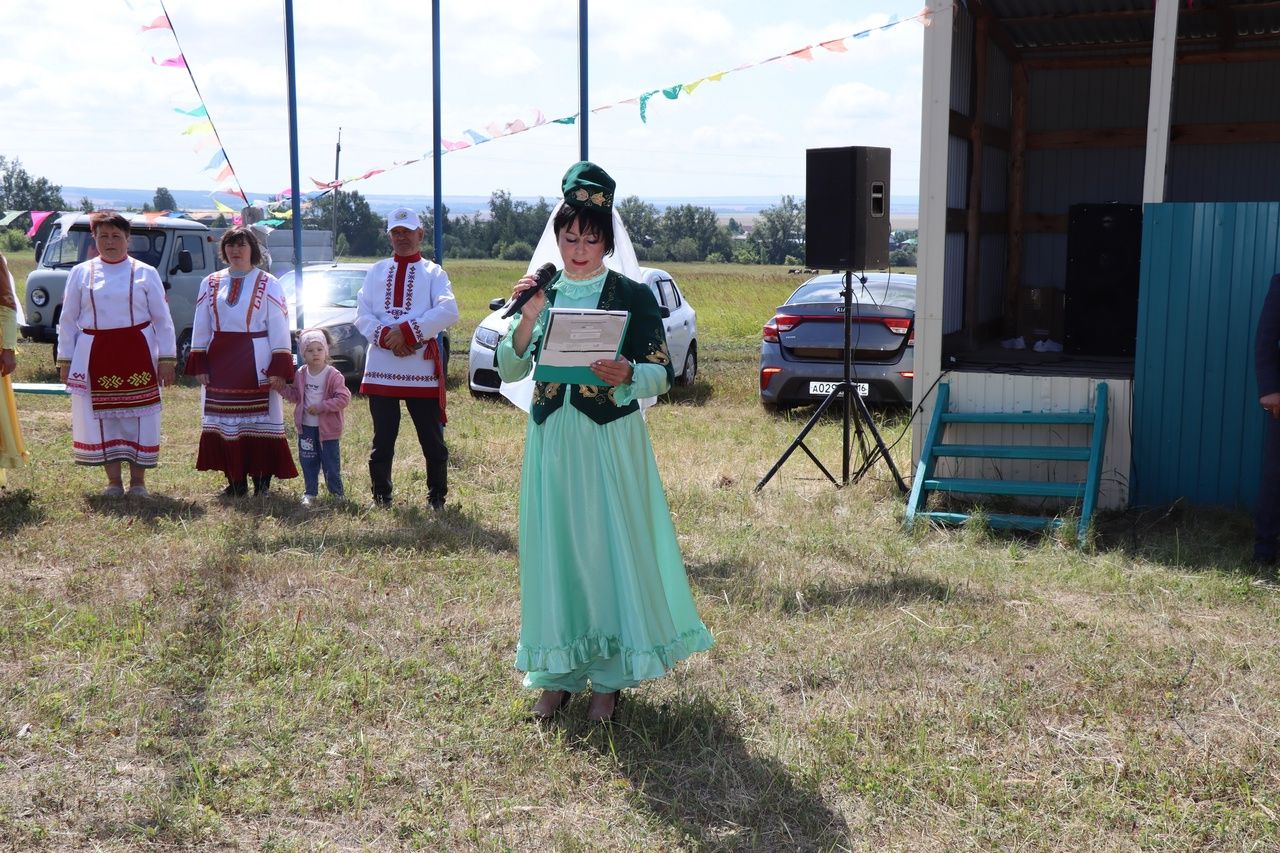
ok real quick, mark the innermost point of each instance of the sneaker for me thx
(308, 500)
(139, 491)
(113, 490)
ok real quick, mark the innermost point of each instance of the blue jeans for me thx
(314, 454)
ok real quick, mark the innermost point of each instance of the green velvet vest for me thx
(644, 343)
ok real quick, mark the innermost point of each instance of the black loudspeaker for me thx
(846, 220)
(1104, 259)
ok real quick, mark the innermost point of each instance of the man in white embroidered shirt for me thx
(404, 304)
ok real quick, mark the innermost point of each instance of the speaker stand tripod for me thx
(855, 412)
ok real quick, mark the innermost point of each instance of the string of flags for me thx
(204, 134)
(495, 130)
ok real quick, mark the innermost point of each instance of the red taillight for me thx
(779, 324)
(901, 326)
(766, 374)
(907, 374)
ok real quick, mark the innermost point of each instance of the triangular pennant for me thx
(673, 92)
(477, 138)
(198, 112)
(222, 208)
(198, 127)
(689, 87)
(573, 119)
(224, 174)
(172, 62)
(805, 53)
(37, 217)
(454, 145)
(160, 23)
(835, 46)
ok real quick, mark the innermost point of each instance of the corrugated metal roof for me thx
(1072, 27)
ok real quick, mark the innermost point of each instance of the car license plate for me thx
(822, 389)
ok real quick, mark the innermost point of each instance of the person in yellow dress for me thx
(12, 452)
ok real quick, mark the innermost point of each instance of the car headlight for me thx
(39, 297)
(488, 338)
(342, 332)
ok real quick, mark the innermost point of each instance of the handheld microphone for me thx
(540, 278)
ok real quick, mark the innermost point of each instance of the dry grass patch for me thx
(186, 673)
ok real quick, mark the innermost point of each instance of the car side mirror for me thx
(184, 263)
(664, 311)
(39, 250)
(496, 303)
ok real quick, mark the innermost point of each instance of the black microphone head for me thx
(544, 274)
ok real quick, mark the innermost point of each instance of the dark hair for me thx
(240, 234)
(590, 220)
(110, 219)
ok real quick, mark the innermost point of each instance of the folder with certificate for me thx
(576, 337)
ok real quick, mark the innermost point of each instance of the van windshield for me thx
(76, 245)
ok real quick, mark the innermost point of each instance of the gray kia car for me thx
(802, 351)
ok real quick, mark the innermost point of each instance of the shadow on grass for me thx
(700, 393)
(1190, 537)
(689, 767)
(147, 510)
(18, 509)
(747, 587)
(402, 525)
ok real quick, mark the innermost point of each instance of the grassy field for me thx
(186, 674)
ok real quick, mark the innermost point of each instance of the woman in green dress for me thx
(603, 592)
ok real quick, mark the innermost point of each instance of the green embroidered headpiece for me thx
(587, 185)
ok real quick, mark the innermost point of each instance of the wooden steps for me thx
(1084, 492)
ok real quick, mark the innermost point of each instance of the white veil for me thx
(621, 260)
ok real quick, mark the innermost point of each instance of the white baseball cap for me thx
(403, 217)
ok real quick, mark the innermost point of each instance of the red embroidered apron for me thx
(122, 375)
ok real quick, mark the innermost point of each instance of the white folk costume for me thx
(414, 296)
(114, 332)
(12, 452)
(240, 338)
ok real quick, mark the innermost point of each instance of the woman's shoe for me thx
(604, 707)
(550, 703)
(261, 485)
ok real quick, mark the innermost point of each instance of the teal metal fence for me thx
(1197, 426)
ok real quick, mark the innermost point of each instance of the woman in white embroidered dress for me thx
(115, 349)
(239, 341)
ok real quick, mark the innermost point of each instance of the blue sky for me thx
(101, 114)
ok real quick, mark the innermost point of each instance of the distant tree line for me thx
(511, 228)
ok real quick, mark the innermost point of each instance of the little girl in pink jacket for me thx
(321, 399)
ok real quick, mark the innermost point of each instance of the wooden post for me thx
(1160, 107)
(1016, 190)
(973, 224)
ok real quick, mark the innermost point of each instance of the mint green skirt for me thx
(601, 575)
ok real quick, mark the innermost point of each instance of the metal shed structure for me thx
(1035, 111)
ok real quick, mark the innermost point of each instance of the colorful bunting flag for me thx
(224, 174)
(9, 216)
(218, 160)
(673, 92)
(37, 217)
(178, 61)
(205, 126)
(835, 46)
(451, 145)
(198, 112)
(222, 208)
(235, 192)
(477, 138)
(805, 53)
(573, 119)
(160, 23)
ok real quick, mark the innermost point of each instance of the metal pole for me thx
(333, 200)
(583, 111)
(294, 183)
(437, 237)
